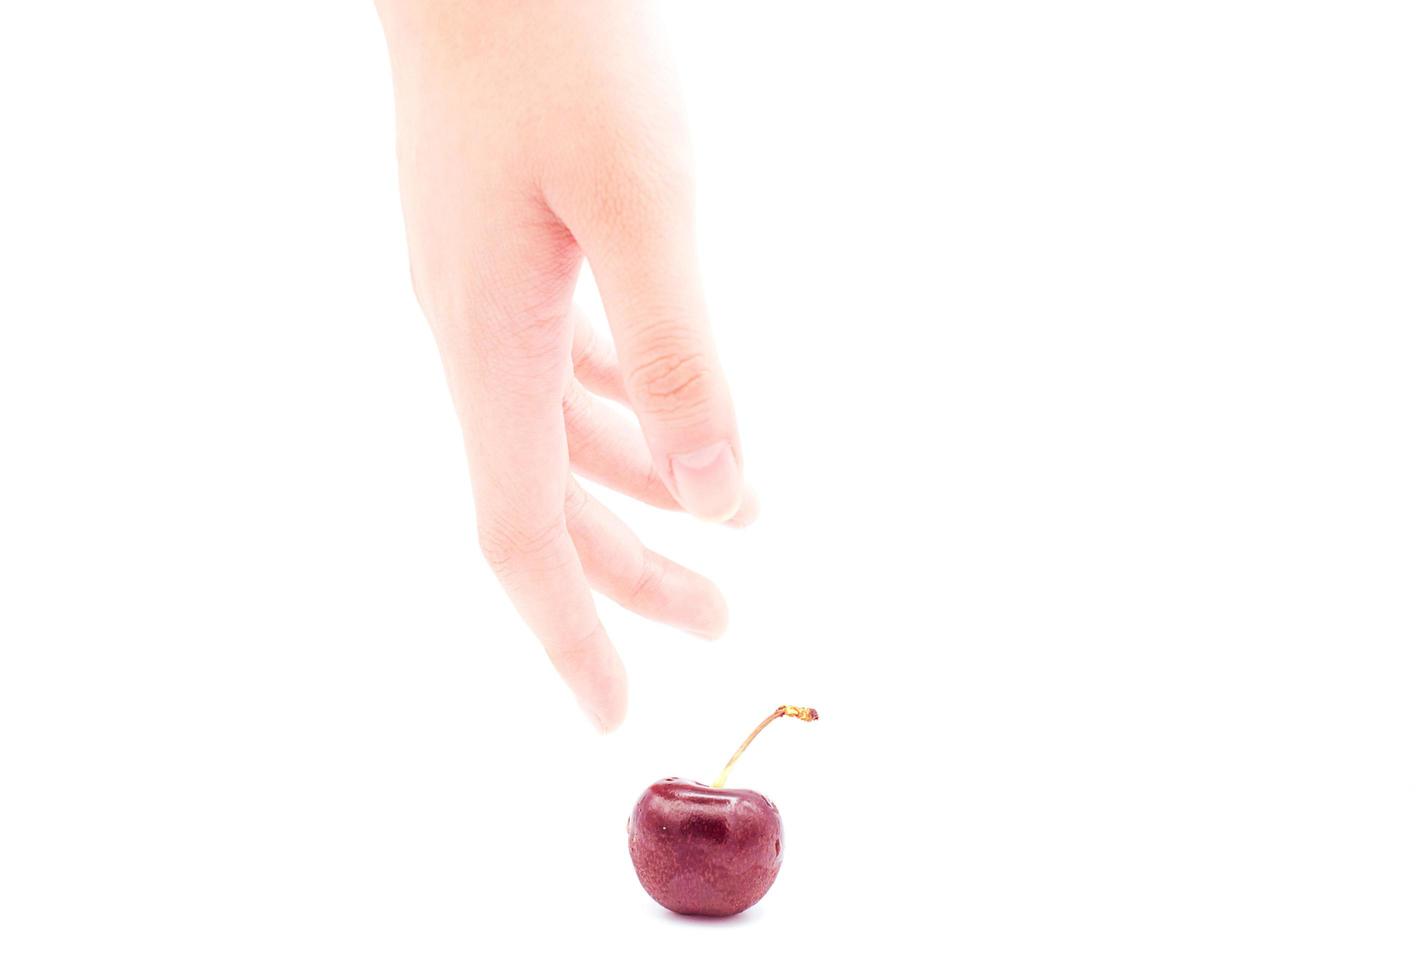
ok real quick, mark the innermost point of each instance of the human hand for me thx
(532, 135)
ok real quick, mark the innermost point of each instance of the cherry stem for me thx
(782, 711)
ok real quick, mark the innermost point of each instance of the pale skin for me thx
(533, 136)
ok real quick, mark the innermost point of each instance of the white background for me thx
(1074, 346)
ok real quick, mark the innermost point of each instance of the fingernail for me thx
(706, 481)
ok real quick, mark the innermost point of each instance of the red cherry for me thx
(706, 850)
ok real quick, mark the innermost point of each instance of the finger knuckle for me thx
(577, 411)
(673, 384)
(497, 309)
(653, 488)
(511, 545)
(648, 584)
(574, 507)
(532, 327)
